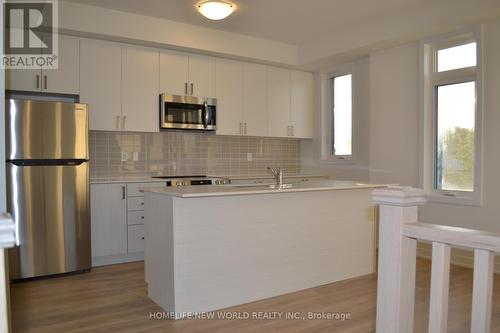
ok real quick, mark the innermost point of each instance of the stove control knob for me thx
(177, 183)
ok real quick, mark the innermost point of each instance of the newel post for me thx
(396, 258)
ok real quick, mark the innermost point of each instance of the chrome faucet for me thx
(278, 175)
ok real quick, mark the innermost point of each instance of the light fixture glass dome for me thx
(215, 10)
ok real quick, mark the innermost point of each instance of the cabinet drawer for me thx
(135, 217)
(135, 238)
(133, 189)
(135, 203)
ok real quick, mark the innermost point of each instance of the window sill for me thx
(349, 161)
(473, 200)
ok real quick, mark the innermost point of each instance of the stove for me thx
(195, 180)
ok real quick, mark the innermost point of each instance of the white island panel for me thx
(209, 253)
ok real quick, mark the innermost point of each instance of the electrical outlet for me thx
(124, 156)
(249, 157)
(135, 156)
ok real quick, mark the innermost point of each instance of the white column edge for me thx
(7, 231)
(399, 196)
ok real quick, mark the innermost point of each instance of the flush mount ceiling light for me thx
(215, 10)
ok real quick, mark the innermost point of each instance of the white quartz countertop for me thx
(125, 180)
(249, 189)
(148, 179)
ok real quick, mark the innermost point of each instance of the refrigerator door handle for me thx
(69, 162)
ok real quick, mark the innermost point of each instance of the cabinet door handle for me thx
(245, 128)
(45, 82)
(288, 131)
(37, 81)
(291, 127)
(142, 238)
(118, 122)
(241, 128)
(192, 88)
(185, 88)
(124, 122)
(123, 192)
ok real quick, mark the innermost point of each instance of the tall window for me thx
(341, 138)
(453, 113)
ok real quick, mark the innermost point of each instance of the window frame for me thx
(327, 134)
(431, 79)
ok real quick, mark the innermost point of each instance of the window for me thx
(341, 116)
(452, 119)
(457, 57)
(456, 104)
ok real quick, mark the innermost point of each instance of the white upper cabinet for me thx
(63, 80)
(255, 100)
(201, 76)
(301, 104)
(183, 74)
(100, 83)
(278, 101)
(174, 71)
(140, 89)
(23, 79)
(229, 86)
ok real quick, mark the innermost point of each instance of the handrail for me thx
(398, 235)
(463, 237)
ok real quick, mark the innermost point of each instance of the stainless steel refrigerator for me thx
(48, 187)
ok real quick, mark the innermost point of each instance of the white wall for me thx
(394, 115)
(404, 24)
(89, 21)
(3, 204)
(310, 150)
(394, 132)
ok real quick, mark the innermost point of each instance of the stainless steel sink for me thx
(279, 187)
(264, 186)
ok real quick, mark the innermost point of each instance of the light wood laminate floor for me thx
(113, 299)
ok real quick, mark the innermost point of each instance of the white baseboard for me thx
(459, 257)
(117, 259)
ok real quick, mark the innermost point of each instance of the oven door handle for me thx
(205, 115)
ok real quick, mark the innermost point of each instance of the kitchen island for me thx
(212, 247)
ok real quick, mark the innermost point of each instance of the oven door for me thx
(187, 112)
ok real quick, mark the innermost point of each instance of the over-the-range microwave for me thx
(187, 113)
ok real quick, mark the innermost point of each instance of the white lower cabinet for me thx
(136, 238)
(117, 218)
(108, 206)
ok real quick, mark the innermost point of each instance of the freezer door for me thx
(50, 206)
(46, 130)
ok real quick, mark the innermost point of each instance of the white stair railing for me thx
(7, 239)
(398, 235)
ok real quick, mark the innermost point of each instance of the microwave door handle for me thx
(162, 110)
(205, 115)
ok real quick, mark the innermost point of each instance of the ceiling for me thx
(288, 21)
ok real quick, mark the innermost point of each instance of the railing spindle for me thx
(482, 291)
(440, 282)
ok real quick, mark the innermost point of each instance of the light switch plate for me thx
(249, 157)
(124, 156)
(135, 156)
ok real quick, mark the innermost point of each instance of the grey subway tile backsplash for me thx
(187, 153)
